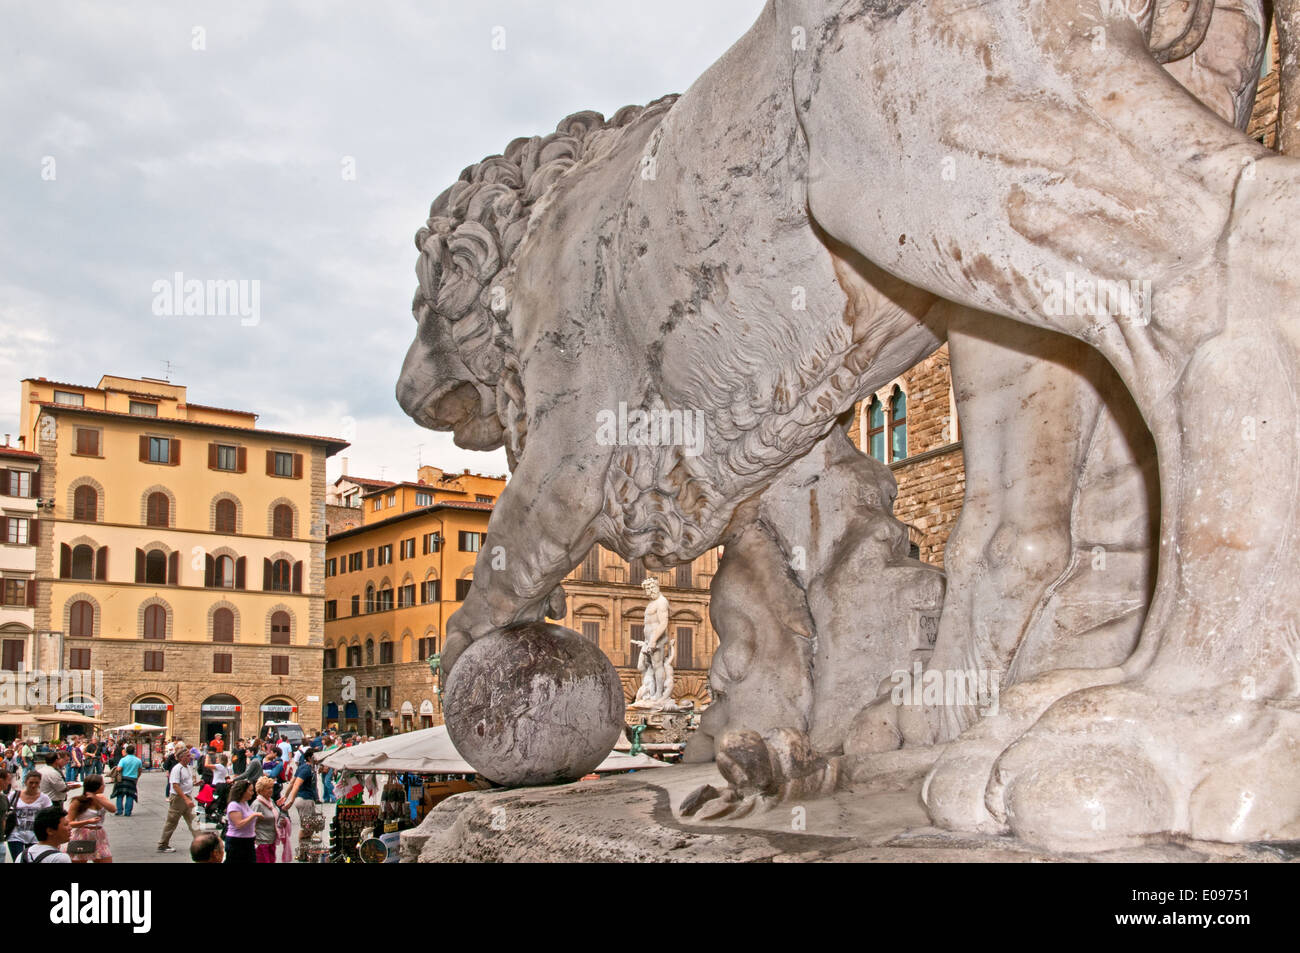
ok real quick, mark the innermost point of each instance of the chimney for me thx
(344, 461)
(6, 440)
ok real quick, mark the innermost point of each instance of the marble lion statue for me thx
(1060, 189)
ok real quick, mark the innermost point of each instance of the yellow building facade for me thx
(184, 556)
(391, 584)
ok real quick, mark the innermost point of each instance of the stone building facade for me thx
(912, 426)
(182, 556)
(396, 577)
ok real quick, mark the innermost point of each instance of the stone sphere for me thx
(533, 704)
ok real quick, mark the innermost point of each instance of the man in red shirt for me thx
(217, 744)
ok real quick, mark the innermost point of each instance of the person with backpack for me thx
(23, 808)
(51, 830)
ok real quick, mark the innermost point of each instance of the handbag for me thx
(78, 847)
(205, 794)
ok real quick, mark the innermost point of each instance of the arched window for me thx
(226, 513)
(81, 619)
(83, 561)
(370, 651)
(158, 510)
(223, 626)
(353, 656)
(370, 598)
(155, 622)
(85, 505)
(224, 572)
(876, 429)
(281, 575)
(155, 567)
(897, 425)
(280, 628)
(282, 521)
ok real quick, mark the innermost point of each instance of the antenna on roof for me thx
(419, 456)
(381, 472)
(167, 370)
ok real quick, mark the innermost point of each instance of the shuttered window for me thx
(155, 622)
(81, 619)
(85, 504)
(223, 626)
(685, 647)
(153, 661)
(224, 520)
(79, 659)
(158, 510)
(282, 522)
(222, 663)
(280, 628)
(462, 589)
(87, 442)
(14, 650)
(279, 665)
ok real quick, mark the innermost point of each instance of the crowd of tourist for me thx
(54, 799)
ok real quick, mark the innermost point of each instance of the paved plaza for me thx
(134, 839)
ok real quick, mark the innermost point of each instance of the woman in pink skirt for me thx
(86, 818)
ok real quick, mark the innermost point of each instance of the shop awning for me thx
(430, 751)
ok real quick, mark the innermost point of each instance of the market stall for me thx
(144, 737)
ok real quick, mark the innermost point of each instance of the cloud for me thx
(210, 140)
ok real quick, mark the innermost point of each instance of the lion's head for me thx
(460, 373)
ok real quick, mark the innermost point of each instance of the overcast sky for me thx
(228, 162)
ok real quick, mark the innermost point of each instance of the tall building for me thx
(20, 528)
(182, 555)
(393, 581)
(391, 584)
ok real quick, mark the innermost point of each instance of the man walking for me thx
(126, 789)
(180, 785)
(52, 780)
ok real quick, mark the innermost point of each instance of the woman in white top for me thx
(27, 803)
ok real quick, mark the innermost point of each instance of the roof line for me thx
(333, 444)
(409, 514)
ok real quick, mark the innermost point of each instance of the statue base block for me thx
(633, 818)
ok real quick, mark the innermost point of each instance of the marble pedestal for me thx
(632, 818)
